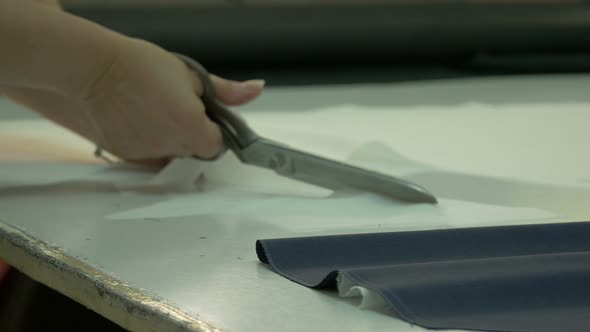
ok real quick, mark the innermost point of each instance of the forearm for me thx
(49, 49)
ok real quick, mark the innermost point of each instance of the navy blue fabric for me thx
(513, 278)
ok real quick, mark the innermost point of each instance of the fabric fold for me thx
(509, 278)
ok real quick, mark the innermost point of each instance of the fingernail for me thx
(253, 85)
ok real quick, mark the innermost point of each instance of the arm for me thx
(129, 96)
(38, 40)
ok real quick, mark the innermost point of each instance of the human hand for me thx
(143, 107)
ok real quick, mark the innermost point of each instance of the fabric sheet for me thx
(510, 278)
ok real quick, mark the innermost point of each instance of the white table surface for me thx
(520, 142)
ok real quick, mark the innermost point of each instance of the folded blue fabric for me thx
(512, 278)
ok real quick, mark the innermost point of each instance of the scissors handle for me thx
(235, 129)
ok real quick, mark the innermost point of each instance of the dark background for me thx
(295, 42)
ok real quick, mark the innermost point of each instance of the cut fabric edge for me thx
(369, 299)
(346, 286)
(180, 175)
(329, 281)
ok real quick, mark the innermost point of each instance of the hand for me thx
(144, 107)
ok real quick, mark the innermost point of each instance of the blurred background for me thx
(302, 42)
(316, 42)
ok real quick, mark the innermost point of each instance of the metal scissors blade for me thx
(302, 166)
(327, 173)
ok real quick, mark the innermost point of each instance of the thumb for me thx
(236, 93)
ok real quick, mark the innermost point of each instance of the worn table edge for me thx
(129, 307)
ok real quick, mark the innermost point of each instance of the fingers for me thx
(183, 130)
(229, 92)
(236, 93)
(203, 137)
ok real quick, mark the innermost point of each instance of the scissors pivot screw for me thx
(276, 161)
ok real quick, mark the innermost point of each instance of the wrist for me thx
(110, 71)
(92, 66)
(94, 69)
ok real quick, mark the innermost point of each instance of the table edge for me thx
(131, 308)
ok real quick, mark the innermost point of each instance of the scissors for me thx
(252, 149)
